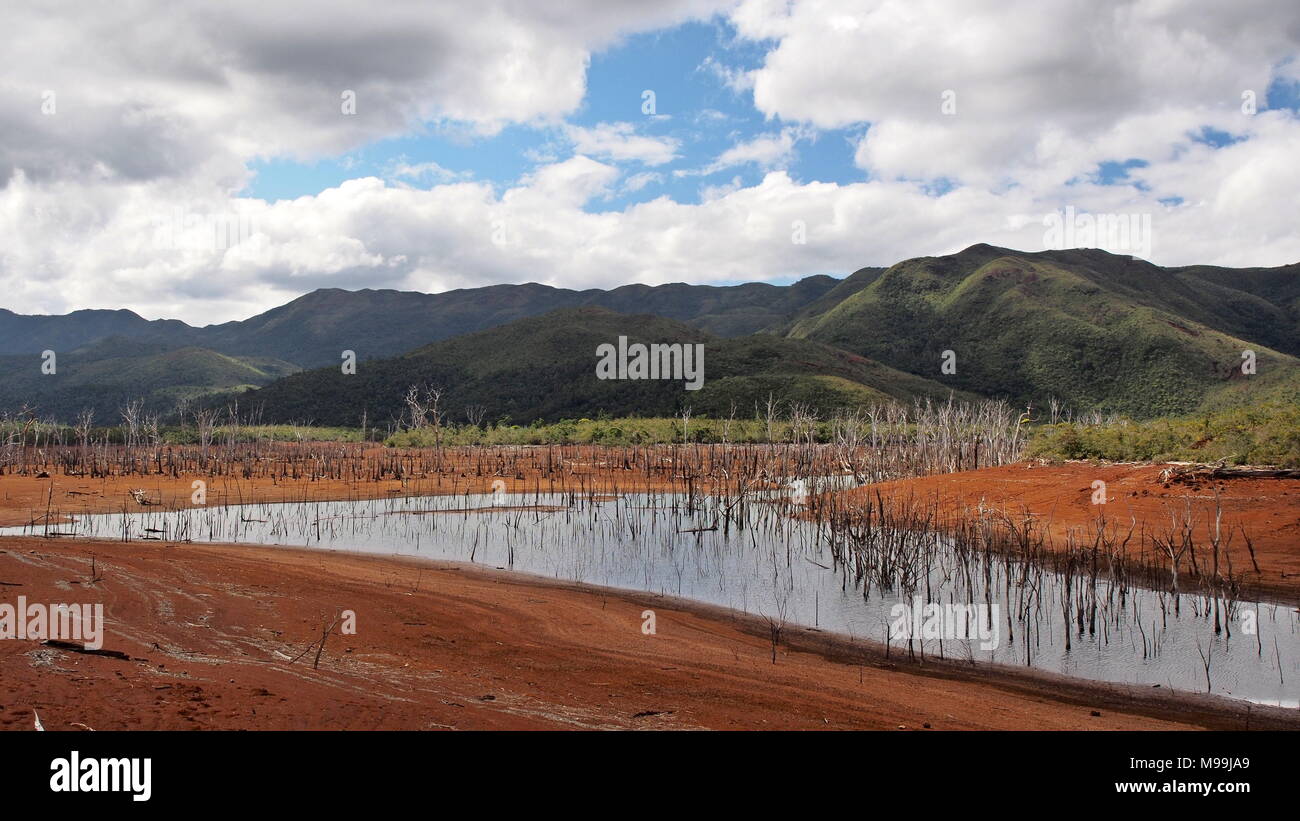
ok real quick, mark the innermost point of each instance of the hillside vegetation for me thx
(1263, 435)
(312, 330)
(1092, 331)
(1088, 328)
(107, 376)
(545, 368)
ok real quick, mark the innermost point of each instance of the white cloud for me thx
(155, 89)
(160, 109)
(619, 142)
(733, 78)
(366, 233)
(427, 171)
(1040, 88)
(767, 151)
(636, 182)
(572, 182)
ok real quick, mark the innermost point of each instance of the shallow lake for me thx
(782, 568)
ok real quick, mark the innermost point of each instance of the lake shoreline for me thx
(211, 622)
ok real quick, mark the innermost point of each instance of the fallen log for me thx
(1201, 472)
(74, 647)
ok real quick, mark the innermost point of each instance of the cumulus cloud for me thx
(620, 142)
(733, 78)
(766, 151)
(149, 89)
(463, 234)
(1031, 86)
(638, 181)
(119, 117)
(125, 194)
(426, 171)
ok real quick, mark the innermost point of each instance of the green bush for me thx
(1262, 435)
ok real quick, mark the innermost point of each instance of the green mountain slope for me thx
(1095, 330)
(314, 329)
(106, 376)
(545, 368)
(23, 333)
(844, 289)
(1267, 299)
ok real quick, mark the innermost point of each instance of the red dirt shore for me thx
(1059, 496)
(211, 631)
(27, 498)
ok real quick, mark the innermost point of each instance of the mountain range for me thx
(1094, 330)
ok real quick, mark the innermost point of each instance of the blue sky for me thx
(698, 105)
(687, 68)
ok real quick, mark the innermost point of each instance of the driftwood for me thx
(327, 627)
(81, 648)
(1193, 472)
(708, 529)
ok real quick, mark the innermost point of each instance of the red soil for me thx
(211, 630)
(1060, 497)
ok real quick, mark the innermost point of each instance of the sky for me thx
(209, 162)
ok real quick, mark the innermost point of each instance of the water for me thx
(782, 568)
